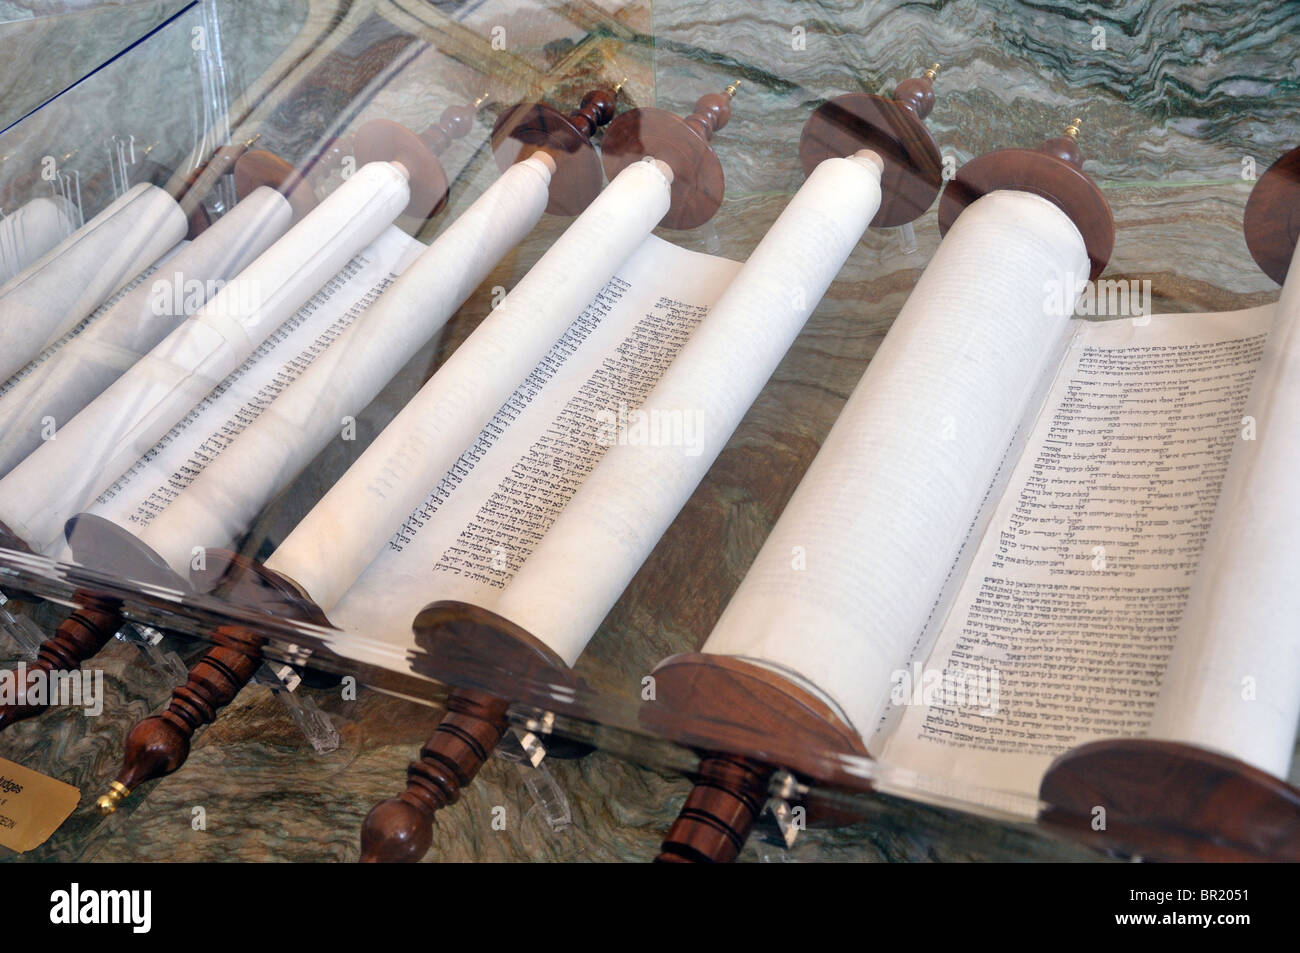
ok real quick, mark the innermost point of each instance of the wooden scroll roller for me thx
(1054, 171)
(535, 127)
(377, 140)
(160, 744)
(87, 630)
(895, 130)
(1167, 800)
(683, 143)
(1272, 220)
(744, 704)
(456, 634)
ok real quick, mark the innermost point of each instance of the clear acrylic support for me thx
(526, 750)
(314, 724)
(25, 633)
(159, 658)
(907, 238)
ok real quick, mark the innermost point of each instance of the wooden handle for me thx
(454, 123)
(712, 112)
(400, 829)
(160, 744)
(455, 637)
(719, 813)
(739, 707)
(79, 637)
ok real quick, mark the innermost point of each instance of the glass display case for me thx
(371, 477)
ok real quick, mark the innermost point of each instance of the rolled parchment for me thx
(843, 586)
(225, 498)
(49, 393)
(50, 297)
(31, 231)
(64, 474)
(607, 530)
(1233, 682)
(335, 542)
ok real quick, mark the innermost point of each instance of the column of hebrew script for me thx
(483, 519)
(164, 472)
(1234, 679)
(1063, 626)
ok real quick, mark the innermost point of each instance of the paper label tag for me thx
(32, 806)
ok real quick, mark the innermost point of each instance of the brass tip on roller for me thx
(732, 89)
(932, 72)
(116, 794)
(1072, 130)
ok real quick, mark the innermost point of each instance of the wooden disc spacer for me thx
(1053, 171)
(683, 143)
(257, 167)
(743, 706)
(531, 127)
(385, 140)
(1164, 800)
(895, 129)
(1272, 219)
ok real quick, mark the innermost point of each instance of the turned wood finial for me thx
(712, 111)
(79, 637)
(1053, 171)
(160, 744)
(1272, 219)
(455, 638)
(1066, 146)
(400, 829)
(918, 93)
(527, 128)
(893, 128)
(683, 143)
